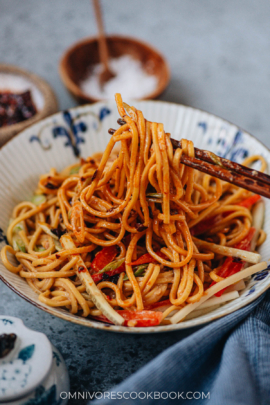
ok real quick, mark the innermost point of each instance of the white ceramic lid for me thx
(29, 362)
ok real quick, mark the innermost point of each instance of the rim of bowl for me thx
(90, 323)
(77, 91)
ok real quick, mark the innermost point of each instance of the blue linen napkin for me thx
(225, 362)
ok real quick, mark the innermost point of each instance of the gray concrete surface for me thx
(219, 53)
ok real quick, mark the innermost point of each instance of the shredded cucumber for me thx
(38, 199)
(112, 266)
(57, 245)
(47, 230)
(39, 249)
(17, 228)
(18, 244)
(75, 170)
(138, 271)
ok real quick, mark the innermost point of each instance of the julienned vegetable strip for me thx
(249, 257)
(257, 221)
(91, 288)
(258, 215)
(47, 230)
(201, 312)
(180, 315)
(236, 287)
(137, 272)
(112, 266)
(219, 300)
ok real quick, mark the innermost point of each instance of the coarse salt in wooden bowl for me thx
(81, 57)
(17, 80)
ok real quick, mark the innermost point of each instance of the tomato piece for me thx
(231, 266)
(104, 257)
(205, 225)
(147, 258)
(96, 277)
(247, 203)
(141, 318)
(225, 267)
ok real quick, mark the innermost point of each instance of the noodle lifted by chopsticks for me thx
(124, 230)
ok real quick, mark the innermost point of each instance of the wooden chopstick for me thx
(224, 169)
(256, 186)
(227, 170)
(210, 157)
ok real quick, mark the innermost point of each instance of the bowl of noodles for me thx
(108, 229)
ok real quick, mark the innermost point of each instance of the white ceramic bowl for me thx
(57, 140)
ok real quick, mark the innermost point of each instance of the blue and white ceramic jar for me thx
(32, 371)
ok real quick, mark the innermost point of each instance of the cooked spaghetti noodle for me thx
(132, 231)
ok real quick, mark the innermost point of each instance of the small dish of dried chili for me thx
(16, 107)
(25, 99)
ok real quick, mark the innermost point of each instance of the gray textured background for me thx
(219, 53)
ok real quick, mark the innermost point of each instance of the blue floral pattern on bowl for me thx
(261, 276)
(251, 291)
(232, 148)
(3, 237)
(73, 130)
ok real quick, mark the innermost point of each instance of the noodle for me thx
(130, 202)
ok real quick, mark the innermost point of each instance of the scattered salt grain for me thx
(131, 80)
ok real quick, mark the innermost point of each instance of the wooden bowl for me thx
(18, 80)
(80, 57)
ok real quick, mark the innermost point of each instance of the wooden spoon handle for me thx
(103, 49)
